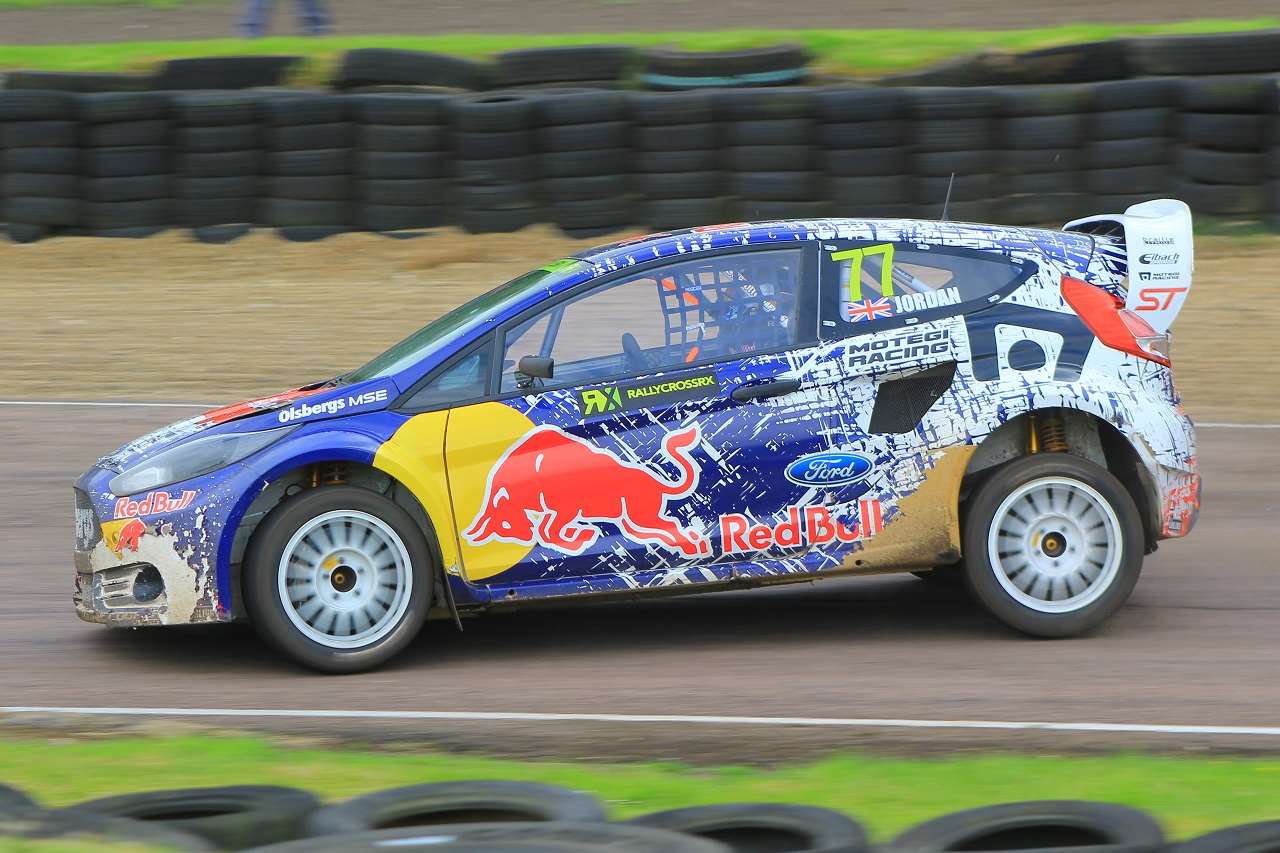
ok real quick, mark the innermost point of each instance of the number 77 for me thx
(855, 269)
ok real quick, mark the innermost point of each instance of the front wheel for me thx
(1053, 544)
(338, 578)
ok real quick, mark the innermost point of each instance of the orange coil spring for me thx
(1051, 433)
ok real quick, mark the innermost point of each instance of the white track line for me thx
(1205, 425)
(500, 716)
(106, 404)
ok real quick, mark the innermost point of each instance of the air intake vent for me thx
(901, 403)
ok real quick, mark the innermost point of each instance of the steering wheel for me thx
(635, 356)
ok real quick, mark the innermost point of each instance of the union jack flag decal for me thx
(868, 309)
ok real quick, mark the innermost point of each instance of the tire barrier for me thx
(765, 826)
(229, 818)
(670, 70)
(224, 72)
(593, 160)
(599, 66)
(1037, 825)
(517, 816)
(456, 802)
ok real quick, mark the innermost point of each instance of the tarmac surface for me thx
(1195, 645)
(57, 24)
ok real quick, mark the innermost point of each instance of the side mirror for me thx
(531, 367)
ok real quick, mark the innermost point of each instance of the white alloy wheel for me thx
(1055, 545)
(345, 579)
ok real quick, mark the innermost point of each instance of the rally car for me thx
(723, 407)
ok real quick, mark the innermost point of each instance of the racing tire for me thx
(893, 189)
(1135, 94)
(39, 186)
(115, 215)
(1226, 53)
(1129, 180)
(772, 210)
(348, 587)
(978, 186)
(215, 109)
(1037, 825)
(780, 131)
(774, 186)
(764, 826)
(380, 66)
(224, 72)
(123, 107)
(1042, 100)
(500, 112)
(40, 211)
(584, 137)
(311, 188)
(1041, 183)
(661, 109)
(587, 107)
(402, 217)
(1039, 160)
(1225, 199)
(679, 184)
(765, 104)
(558, 190)
(504, 221)
(932, 103)
(401, 165)
(226, 164)
(1065, 131)
(496, 145)
(303, 109)
(317, 162)
(219, 234)
(1097, 541)
(126, 162)
(1227, 93)
(48, 161)
(697, 136)
(214, 189)
(22, 105)
(232, 818)
(942, 164)
(520, 170)
(136, 188)
(423, 191)
(516, 837)
(454, 802)
(566, 64)
(24, 233)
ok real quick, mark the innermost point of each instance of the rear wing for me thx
(1160, 252)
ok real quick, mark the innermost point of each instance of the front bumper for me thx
(140, 569)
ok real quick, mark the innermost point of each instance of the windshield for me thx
(415, 347)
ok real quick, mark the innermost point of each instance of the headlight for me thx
(192, 459)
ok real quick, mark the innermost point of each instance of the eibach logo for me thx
(571, 486)
(154, 502)
(805, 526)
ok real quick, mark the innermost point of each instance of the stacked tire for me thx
(860, 135)
(676, 159)
(596, 66)
(306, 189)
(127, 189)
(582, 158)
(217, 141)
(1041, 137)
(1273, 162)
(675, 70)
(953, 132)
(1130, 142)
(39, 162)
(402, 161)
(497, 167)
(770, 153)
(1224, 133)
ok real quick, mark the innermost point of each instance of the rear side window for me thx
(869, 286)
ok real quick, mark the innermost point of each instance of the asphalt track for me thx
(1196, 646)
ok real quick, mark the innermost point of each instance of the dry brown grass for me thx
(171, 319)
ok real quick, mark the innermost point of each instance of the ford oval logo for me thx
(829, 469)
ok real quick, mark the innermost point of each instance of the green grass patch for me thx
(861, 53)
(1189, 795)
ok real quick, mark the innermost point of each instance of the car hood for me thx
(301, 405)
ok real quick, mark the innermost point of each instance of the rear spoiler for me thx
(1160, 253)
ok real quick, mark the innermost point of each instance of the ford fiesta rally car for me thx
(732, 406)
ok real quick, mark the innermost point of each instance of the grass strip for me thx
(858, 53)
(1189, 795)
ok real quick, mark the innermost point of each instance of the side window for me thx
(867, 286)
(680, 313)
(461, 381)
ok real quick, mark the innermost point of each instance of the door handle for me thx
(765, 390)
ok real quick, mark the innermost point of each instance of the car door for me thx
(662, 449)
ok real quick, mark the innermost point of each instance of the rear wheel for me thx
(1053, 544)
(338, 578)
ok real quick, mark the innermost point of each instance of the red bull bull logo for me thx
(124, 534)
(552, 489)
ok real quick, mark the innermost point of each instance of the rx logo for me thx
(597, 401)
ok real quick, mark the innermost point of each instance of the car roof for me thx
(1070, 248)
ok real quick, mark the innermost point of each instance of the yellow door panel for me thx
(477, 439)
(415, 457)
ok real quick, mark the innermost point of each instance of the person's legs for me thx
(314, 18)
(257, 18)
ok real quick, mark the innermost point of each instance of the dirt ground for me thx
(171, 319)
(216, 18)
